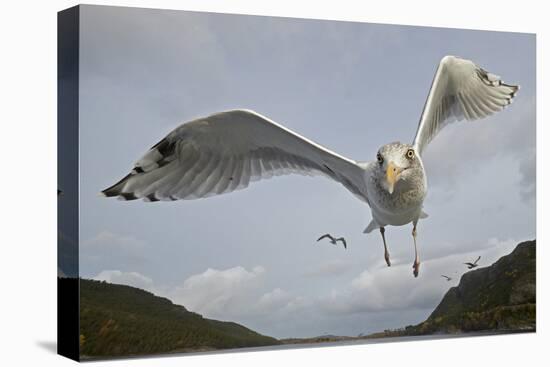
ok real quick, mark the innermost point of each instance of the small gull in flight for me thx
(448, 278)
(333, 240)
(474, 264)
(226, 151)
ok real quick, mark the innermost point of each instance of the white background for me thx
(28, 179)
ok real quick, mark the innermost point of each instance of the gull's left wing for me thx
(460, 90)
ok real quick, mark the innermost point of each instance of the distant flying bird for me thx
(226, 151)
(334, 240)
(474, 264)
(448, 278)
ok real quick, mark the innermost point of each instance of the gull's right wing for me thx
(225, 152)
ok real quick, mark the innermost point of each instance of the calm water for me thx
(395, 339)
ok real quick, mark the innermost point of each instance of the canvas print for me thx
(237, 182)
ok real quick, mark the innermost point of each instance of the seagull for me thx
(474, 264)
(226, 151)
(448, 278)
(334, 240)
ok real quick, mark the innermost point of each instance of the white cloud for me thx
(273, 300)
(234, 294)
(391, 289)
(220, 293)
(239, 295)
(132, 278)
(330, 268)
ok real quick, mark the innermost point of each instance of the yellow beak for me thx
(392, 175)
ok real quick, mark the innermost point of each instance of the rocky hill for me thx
(118, 320)
(501, 297)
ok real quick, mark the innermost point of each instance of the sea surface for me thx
(393, 339)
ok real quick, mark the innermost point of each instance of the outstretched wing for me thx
(460, 90)
(226, 151)
(324, 236)
(479, 257)
(343, 242)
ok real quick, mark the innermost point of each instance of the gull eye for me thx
(410, 154)
(379, 158)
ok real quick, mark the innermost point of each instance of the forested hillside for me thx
(118, 320)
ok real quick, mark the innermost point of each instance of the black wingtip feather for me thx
(115, 190)
(128, 196)
(515, 89)
(152, 197)
(164, 147)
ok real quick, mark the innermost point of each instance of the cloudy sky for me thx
(251, 256)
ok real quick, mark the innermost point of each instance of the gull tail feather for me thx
(371, 227)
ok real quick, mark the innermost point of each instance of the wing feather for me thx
(460, 90)
(244, 180)
(226, 151)
(255, 168)
(224, 182)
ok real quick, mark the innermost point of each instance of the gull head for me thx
(399, 166)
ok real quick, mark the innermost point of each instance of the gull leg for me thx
(386, 253)
(416, 264)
